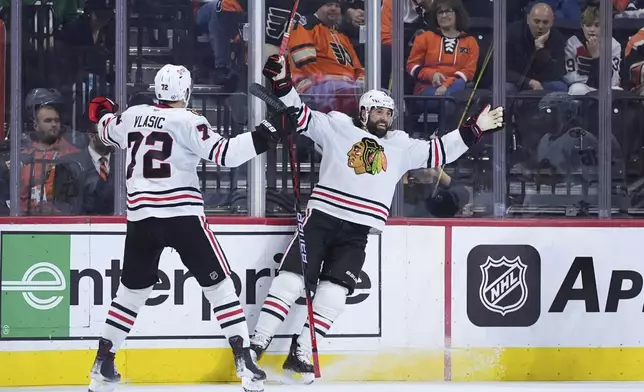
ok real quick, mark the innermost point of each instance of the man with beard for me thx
(39, 157)
(363, 161)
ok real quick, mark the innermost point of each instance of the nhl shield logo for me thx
(503, 285)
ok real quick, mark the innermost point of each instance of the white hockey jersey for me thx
(582, 68)
(164, 146)
(359, 171)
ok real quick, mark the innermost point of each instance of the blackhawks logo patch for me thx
(367, 156)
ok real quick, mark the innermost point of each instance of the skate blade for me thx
(252, 385)
(299, 378)
(101, 386)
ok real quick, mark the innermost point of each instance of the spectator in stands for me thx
(413, 14)
(85, 50)
(352, 21)
(220, 20)
(95, 176)
(634, 63)
(444, 59)
(571, 151)
(38, 158)
(535, 53)
(582, 56)
(323, 61)
(565, 10)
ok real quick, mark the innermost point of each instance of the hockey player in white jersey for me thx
(165, 143)
(363, 159)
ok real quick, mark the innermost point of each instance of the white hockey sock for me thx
(228, 310)
(328, 304)
(285, 289)
(122, 314)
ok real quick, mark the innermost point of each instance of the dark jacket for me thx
(545, 65)
(97, 194)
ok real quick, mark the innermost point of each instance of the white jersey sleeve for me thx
(207, 144)
(112, 130)
(310, 123)
(435, 152)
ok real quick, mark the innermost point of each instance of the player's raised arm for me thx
(448, 148)
(102, 111)
(310, 123)
(209, 145)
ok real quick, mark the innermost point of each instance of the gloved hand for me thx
(100, 106)
(276, 69)
(279, 126)
(486, 120)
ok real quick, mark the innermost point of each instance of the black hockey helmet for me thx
(40, 97)
(559, 104)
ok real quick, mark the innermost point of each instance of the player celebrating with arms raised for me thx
(363, 159)
(164, 143)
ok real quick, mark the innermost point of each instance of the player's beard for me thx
(377, 128)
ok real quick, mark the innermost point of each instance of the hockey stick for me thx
(275, 104)
(298, 210)
(488, 56)
(289, 26)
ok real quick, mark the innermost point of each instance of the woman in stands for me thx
(444, 59)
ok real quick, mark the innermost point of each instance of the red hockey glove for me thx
(100, 106)
(276, 69)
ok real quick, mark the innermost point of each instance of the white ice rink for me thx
(376, 387)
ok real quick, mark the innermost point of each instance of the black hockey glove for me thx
(100, 106)
(486, 120)
(277, 71)
(279, 126)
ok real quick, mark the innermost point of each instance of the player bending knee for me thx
(349, 200)
(165, 143)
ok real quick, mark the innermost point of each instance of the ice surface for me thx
(375, 387)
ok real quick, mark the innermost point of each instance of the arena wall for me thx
(437, 300)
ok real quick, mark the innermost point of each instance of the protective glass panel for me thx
(68, 58)
(552, 114)
(448, 78)
(326, 57)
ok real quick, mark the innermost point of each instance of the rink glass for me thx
(503, 176)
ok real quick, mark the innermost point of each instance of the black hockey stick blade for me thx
(268, 97)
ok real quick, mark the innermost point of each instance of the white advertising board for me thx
(177, 309)
(547, 287)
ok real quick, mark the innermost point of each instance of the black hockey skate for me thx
(244, 363)
(259, 344)
(104, 375)
(298, 365)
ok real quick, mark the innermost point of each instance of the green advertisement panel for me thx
(34, 300)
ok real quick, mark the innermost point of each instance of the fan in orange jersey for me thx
(39, 158)
(634, 62)
(323, 61)
(443, 60)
